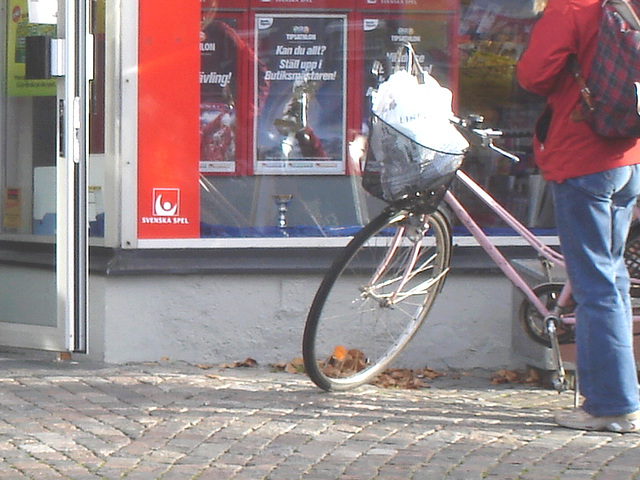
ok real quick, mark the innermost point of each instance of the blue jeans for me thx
(593, 213)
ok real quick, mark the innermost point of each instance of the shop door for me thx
(43, 159)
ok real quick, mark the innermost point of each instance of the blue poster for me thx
(300, 123)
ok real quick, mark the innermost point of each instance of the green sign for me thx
(19, 30)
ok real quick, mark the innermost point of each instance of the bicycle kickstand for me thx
(559, 382)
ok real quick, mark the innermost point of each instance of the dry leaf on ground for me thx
(248, 362)
(530, 377)
(294, 366)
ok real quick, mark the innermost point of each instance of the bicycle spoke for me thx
(420, 289)
(423, 288)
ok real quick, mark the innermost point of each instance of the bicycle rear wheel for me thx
(374, 297)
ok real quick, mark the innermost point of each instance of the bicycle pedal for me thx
(560, 384)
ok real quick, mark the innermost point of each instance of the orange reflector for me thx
(339, 353)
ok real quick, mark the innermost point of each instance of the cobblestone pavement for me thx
(175, 421)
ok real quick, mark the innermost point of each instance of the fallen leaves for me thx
(345, 362)
(405, 378)
(246, 363)
(530, 377)
(294, 366)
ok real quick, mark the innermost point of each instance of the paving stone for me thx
(175, 421)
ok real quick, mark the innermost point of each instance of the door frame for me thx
(72, 49)
(72, 175)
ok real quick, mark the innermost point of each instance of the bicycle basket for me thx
(397, 166)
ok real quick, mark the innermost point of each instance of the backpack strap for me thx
(574, 68)
(626, 11)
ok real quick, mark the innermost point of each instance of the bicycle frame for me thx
(551, 317)
(485, 243)
(483, 239)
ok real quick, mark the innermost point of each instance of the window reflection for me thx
(278, 119)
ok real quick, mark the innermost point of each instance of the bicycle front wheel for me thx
(374, 297)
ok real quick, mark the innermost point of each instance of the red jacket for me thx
(571, 148)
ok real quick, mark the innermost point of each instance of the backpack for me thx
(611, 93)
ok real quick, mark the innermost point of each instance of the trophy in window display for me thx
(282, 201)
(293, 125)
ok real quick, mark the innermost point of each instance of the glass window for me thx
(283, 106)
(28, 108)
(492, 36)
(96, 187)
(275, 158)
(29, 116)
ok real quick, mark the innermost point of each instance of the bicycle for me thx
(382, 285)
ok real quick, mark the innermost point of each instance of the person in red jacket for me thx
(595, 182)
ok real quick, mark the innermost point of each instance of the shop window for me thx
(95, 194)
(276, 161)
(492, 36)
(29, 112)
(282, 104)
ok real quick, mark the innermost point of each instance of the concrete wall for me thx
(225, 318)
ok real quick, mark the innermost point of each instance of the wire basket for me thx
(397, 167)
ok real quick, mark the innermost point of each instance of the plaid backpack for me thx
(611, 93)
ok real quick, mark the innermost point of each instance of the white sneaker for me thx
(578, 419)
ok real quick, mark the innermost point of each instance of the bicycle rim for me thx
(374, 298)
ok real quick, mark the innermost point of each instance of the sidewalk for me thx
(175, 421)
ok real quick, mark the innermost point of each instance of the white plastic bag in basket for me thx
(419, 110)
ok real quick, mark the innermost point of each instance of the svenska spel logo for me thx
(166, 202)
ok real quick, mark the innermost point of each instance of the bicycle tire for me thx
(355, 328)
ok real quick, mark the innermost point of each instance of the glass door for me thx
(43, 172)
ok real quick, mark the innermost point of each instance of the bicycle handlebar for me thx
(486, 135)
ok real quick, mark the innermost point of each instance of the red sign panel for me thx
(168, 119)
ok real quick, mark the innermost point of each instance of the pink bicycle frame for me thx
(483, 240)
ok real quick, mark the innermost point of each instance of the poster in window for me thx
(299, 128)
(21, 26)
(219, 47)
